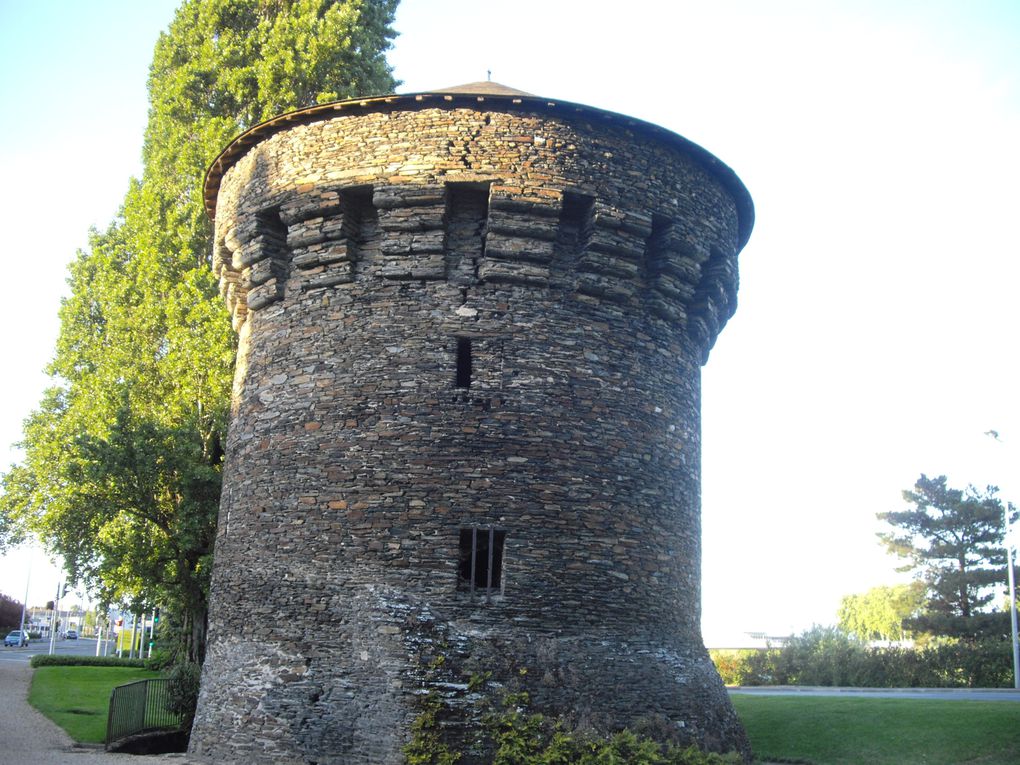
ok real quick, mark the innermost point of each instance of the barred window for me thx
(481, 560)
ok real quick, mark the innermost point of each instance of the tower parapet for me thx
(466, 420)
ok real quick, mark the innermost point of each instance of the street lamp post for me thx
(1012, 600)
(994, 435)
(24, 605)
(53, 620)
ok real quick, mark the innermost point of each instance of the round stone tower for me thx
(465, 448)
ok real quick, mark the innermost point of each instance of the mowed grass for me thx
(842, 731)
(78, 698)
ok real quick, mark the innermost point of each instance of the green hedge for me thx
(63, 660)
(827, 657)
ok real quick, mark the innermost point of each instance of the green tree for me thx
(224, 66)
(10, 614)
(879, 613)
(953, 542)
(121, 473)
(11, 532)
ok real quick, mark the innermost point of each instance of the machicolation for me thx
(466, 430)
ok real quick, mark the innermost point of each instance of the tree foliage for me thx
(10, 613)
(879, 613)
(952, 540)
(121, 473)
(828, 656)
(514, 735)
(226, 65)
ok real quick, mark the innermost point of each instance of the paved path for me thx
(27, 737)
(951, 694)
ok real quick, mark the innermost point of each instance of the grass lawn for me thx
(839, 731)
(78, 698)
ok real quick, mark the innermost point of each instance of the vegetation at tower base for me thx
(512, 734)
(121, 473)
(182, 692)
(953, 540)
(507, 729)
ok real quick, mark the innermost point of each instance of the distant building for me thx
(750, 640)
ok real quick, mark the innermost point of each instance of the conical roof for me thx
(484, 88)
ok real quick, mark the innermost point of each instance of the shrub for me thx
(751, 666)
(731, 664)
(979, 664)
(182, 692)
(426, 746)
(61, 660)
(828, 657)
(821, 656)
(159, 659)
(517, 736)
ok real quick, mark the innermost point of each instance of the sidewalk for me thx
(26, 736)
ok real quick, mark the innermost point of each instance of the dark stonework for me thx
(463, 313)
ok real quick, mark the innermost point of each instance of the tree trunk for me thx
(964, 595)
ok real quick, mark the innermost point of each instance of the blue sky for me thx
(876, 336)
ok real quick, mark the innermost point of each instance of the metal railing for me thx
(139, 707)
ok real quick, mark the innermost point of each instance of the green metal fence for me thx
(139, 707)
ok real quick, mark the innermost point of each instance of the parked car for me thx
(16, 637)
(71, 635)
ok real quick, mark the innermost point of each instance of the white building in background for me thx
(749, 641)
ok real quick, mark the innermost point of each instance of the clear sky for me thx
(876, 336)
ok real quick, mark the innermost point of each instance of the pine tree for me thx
(953, 540)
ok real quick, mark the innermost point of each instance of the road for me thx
(949, 694)
(80, 647)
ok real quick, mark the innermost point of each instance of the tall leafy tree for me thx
(225, 65)
(879, 613)
(121, 473)
(952, 540)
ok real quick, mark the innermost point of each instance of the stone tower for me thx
(466, 433)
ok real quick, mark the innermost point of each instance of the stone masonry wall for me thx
(453, 318)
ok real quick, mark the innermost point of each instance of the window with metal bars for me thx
(481, 560)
